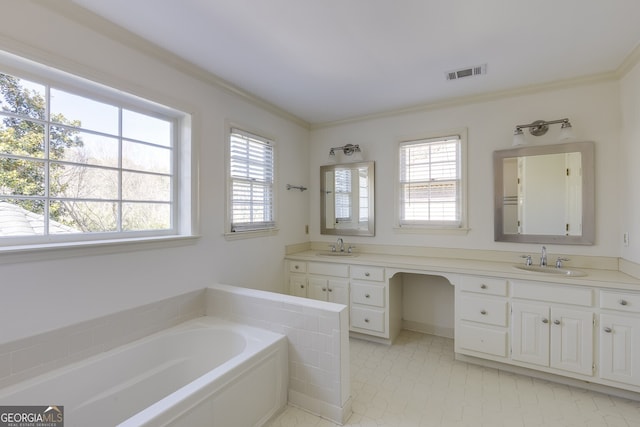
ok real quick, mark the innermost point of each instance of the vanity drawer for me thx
(327, 269)
(574, 295)
(297, 266)
(367, 294)
(484, 310)
(367, 318)
(364, 272)
(489, 341)
(621, 301)
(485, 285)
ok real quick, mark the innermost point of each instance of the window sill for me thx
(239, 235)
(36, 252)
(431, 230)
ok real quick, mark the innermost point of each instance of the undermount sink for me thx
(335, 254)
(551, 270)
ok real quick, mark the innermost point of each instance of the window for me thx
(78, 165)
(251, 182)
(431, 183)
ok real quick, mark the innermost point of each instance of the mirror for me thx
(347, 199)
(545, 194)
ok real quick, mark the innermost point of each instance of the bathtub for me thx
(204, 372)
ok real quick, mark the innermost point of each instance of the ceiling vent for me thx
(467, 72)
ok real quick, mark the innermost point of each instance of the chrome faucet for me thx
(340, 244)
(543, 257)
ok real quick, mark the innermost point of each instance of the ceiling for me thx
(332, 60)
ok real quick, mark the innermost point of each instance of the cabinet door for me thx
(317, 288)
(338, 291)
(530, 335)
(298, 285)
(620, 348)
(572, 340)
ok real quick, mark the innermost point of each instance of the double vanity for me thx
(579, 326)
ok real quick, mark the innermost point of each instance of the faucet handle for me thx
(527, 259)
(333, 248)
(560, 260)
(350, 248)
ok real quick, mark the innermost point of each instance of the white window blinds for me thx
(251, 182)
(430, 182)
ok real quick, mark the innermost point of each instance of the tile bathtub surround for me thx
(416, 382)
(26, 358)
(318, 335)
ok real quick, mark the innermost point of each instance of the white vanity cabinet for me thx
(369, 296)
(482, 317)
(328, 282)
(297, 278)
(558, 335)
(619, 333)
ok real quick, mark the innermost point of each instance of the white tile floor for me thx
(416, 382)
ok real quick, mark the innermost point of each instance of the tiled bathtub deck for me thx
(416, 382)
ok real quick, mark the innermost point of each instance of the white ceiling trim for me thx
(107, 28)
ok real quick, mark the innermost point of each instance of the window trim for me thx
(183, 167)
(248, 233)
(434, 228)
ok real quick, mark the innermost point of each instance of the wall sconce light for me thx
(540, 127)
(347, 150)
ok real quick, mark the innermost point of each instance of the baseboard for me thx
(333, 413)
(425, 328)
(585, 385)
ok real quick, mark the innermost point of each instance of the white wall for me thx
(66, 287)
(629, 159)
(594, 111)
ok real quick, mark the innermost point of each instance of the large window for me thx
(430, 183)
(251, 182)
(76, 165)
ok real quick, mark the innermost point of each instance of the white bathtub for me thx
(204, 372)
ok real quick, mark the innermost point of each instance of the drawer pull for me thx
(296, 267)
(623, 302)
(367, 274)
(367, 296)
(545, 320)
(556, 322)
(608, 330)
(366, 320)
(483, 312)
(483, 286)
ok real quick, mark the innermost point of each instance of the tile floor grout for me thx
(416, 382)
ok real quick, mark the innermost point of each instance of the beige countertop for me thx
(443, 266)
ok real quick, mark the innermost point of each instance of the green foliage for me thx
(25, 175)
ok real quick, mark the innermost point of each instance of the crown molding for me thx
(94, 22)
(629, 62)
(107, 28)
(474, 99)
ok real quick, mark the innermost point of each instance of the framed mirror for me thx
(347, 199)
(545, 194)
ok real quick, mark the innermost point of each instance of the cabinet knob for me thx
(367, 274)
(324, 289)
(296, 266)
(366, 320)
(483, 286)
(367, 296)
(301, 286)
(483, 312)
(330, 290)
(623, 302)
(545, 320)
(556, 322)
(607, 330)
